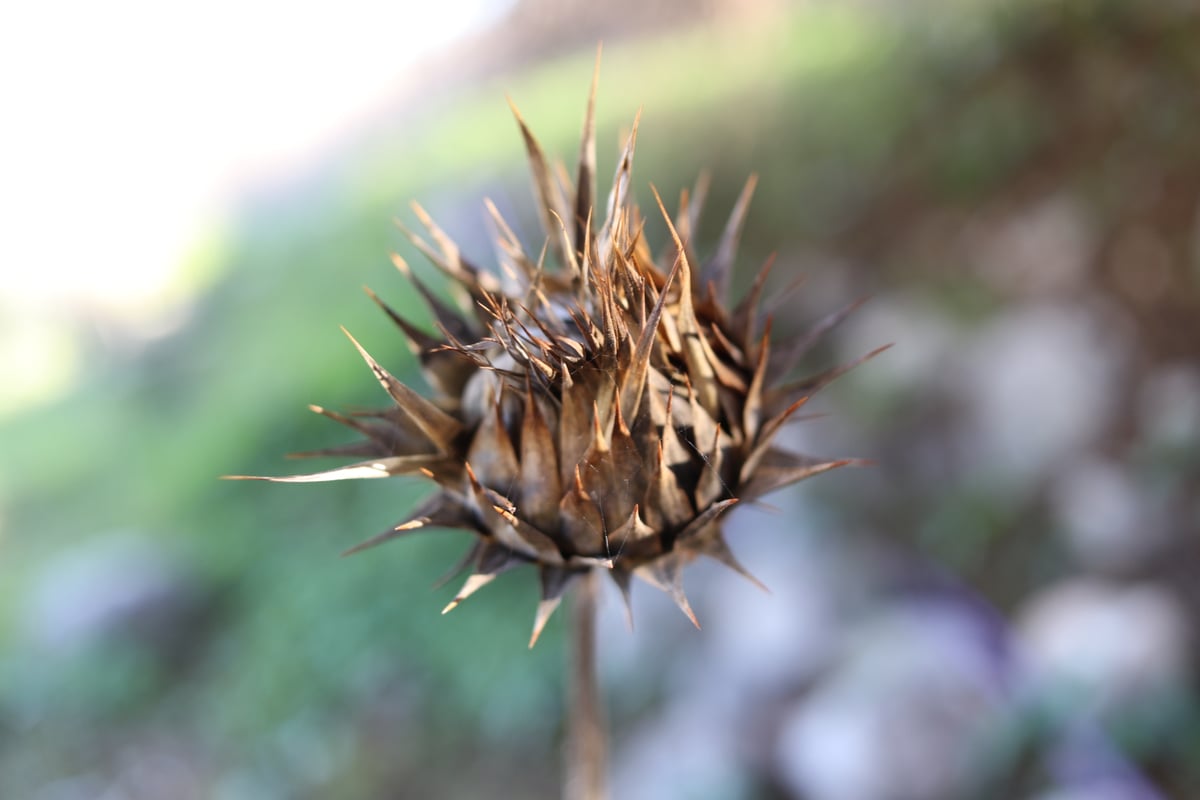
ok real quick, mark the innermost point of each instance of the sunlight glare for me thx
(130, 126)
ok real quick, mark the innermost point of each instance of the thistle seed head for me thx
(594, 408)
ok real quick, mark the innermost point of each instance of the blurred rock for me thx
(76, 787)
(1105, 519)
(902, 714)
(923, 334)
(157, 768)
(117, 586)
(1169, 406)
(1043, 248)
(677, 754)
(1038, 383)
(1140, 263)
(1085, 764)
(1109, 646)
(762, 642)
(1100, 790)
(724, 684)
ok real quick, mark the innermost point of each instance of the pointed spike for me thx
(631, 530)
(581, 523)
(501, 223)
(666, 574)
(491, 452)
(601, 290)
(636, 250)
(550, 201)
(621, 578)
(553, 338)
(699, 196)
(574, 425)
(540, 274)
(600, 439)
(704, 519)
(762, 446)
(814, 383)
(494, 559)
(620, 427)
(676, 593)
(529, 539)
(468, 558)
(418, 339)
(554, 583)
(388, 535)
(780, 470)
(683, 224)
(423, 247)
(563, 183)
(460, 269)
(685, 278)
(438, 426)
(681, 600)
(508, 245)
(716, 548)
(365, 449)
(746, 314)
(762, 441)
(635, 379)
(510, 530)
(446, 317)
(671, 440)
(589, 259)
(633, 290)
(349, 422)
(441, 510)
(540, 478)
(704, 425)
(752, 409)
(610, 470)
(618, 197)
(722, 341)
(586, 174)
(473, 584)
(711, 485)
(567, 251)
(444, 369)
(378, 468)
(696, 352)
(786, 360)
(666, 504)
(718, 269)
(545, 610)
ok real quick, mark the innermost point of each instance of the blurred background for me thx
(1006, 606)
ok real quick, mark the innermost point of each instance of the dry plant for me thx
(595, 411)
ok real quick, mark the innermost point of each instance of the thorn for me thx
(545, 610)
(473, 584)
(411, 525)
(681, 600)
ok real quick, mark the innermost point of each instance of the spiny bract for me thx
(599, 415)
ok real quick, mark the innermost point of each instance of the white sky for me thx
(126, 126)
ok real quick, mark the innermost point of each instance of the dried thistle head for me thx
(598, 415)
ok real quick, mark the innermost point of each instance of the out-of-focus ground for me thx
(1005, 606)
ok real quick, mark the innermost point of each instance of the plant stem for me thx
(585, 777)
